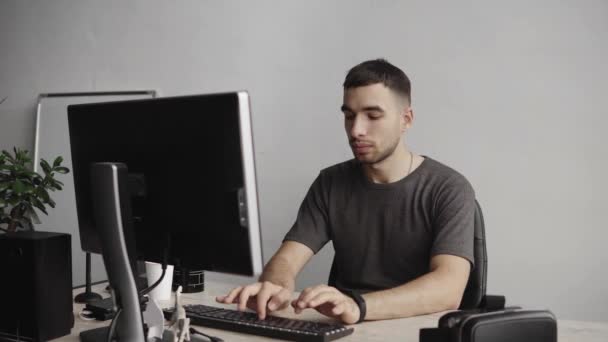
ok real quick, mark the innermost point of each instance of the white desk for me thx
(404, 330)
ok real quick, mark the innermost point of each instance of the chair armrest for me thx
(492, 302)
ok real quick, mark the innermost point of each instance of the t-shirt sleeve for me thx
(454, 221)
(311, 227)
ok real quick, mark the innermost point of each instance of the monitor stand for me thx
(112, 214)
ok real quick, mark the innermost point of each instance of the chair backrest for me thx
(475, 291)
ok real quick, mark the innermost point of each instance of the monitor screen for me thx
(191, 177)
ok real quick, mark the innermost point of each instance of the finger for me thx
(262, 300)
(232, 295)
(295, 302)
(339, 309)
(296, 307)
(247, 292)
(309, 294)
(279, 300)
(299, 303)
(303, 293)
(325, 297)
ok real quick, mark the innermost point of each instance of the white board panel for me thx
(52, 140)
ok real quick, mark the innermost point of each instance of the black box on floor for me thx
(36, 286)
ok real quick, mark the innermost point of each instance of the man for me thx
(401, 224)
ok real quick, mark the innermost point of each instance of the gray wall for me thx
(512, 94)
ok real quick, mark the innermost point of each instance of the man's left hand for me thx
(328, 301)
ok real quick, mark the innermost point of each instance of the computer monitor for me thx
(191, 177)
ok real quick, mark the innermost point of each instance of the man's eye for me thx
(349, 116)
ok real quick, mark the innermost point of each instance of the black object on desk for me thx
(275, 327)
(102, 309)
(37, 291)
(88, 296)
(191, 281)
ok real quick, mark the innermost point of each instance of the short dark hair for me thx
(379, 71)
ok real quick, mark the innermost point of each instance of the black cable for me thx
(150, 288)
(211, 338)
(113, 325)
(162, 275)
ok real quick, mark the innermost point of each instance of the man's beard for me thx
(383, 154)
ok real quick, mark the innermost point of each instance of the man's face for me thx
(374, 118)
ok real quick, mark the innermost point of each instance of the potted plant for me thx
(37, 268)
(22, 190)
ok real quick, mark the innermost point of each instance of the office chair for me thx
(475, 296)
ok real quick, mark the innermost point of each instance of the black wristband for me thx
(356, 296)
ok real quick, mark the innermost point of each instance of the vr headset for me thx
(506, 325)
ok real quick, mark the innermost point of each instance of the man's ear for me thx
(407, 119)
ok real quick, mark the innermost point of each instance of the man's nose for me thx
(359, 127)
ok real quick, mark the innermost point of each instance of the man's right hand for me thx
(262, 297)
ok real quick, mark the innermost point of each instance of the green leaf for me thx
(4, 186)
(42, 193)
(45, 166)
(62, 169)
(36, 202)
(18, 187)
(52, 184)
(8, 156)
(28, 188)
(31, 174)
(23, 158)
(3, 203)
(57, 161)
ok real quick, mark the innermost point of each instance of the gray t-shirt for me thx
(385, 234)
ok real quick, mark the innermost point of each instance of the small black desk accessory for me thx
(88, 296)
(102, 309)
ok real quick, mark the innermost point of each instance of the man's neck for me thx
(391, 169)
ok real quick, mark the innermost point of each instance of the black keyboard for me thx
(275, 327)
